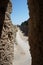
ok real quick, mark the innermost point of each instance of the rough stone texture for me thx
(7, 34)
(3, 7)
(36, 31)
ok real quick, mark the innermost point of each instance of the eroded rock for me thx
(7, 34)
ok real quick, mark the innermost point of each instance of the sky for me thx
(19, 11)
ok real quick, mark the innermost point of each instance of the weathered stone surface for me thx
(24, 27)
(36, 31)
(7, 34)
(3, 7)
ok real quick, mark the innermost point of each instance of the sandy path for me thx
(21, 51)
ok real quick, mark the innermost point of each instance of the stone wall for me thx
(7, 34)
(36, 31)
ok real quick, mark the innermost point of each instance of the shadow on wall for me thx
(3, 7)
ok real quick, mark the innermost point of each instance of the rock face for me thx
(7, 34)
(36, 31)
(3, 7)
(24, 27)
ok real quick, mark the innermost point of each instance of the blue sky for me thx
(19, 11)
